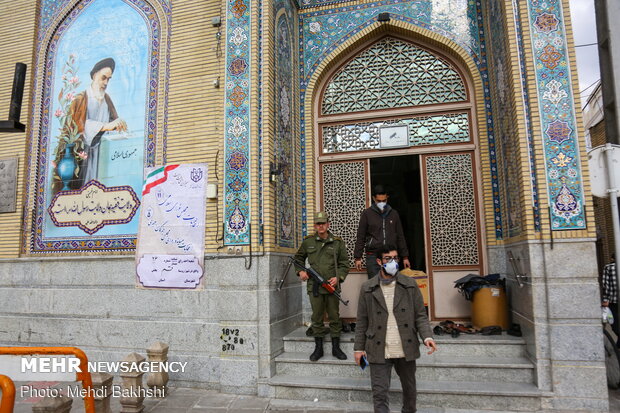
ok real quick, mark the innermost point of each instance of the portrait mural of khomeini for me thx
(91, 113)
(100, 115)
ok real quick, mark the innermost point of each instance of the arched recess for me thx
(285, 144)
(61, 70)
(346, 140)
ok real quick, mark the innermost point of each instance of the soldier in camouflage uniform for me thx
(327, 255)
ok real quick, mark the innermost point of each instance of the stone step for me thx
(466, 345)
(331, 406)
(437, 367)
(447, 394)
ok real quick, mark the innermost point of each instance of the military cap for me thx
(321, 217)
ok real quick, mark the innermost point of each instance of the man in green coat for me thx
(327, 255)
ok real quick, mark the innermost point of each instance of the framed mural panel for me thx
(98, 127)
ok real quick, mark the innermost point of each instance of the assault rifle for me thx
(318, 280)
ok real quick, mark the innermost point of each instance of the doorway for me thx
(402, 115)
(400, 176)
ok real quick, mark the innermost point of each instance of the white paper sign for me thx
(170, 250)
(167, 271)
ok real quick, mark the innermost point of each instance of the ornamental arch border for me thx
(349, 47)
(46, 36)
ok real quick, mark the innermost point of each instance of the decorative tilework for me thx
(285, 154)
(304, 4)
(49, 9)
(508, 164)
(46, 51)
(259, 95)
(546, 23)
(323, 31)
(528, 120)
(237, 123)
(557, 114)
(550, 57)
(484, 73)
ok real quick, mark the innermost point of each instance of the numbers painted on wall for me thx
(231, 339)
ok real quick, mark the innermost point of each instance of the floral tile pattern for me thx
(322, 31)
(237, 123)
(508, 164)
(528, 119)
(557, 114)
(285, 117)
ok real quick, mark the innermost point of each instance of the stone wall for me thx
(92, 303)
(558, 308)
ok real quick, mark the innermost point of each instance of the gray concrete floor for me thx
(185, 400)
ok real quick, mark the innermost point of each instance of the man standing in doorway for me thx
(379, 225)
(390, 317)
(327, 255)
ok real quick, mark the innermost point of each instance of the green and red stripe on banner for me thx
(157, 177)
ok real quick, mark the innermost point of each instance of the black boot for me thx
(318, 349)
(336, 352)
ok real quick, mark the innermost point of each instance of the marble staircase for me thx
(468, 372)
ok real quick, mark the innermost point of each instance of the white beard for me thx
(97, 93)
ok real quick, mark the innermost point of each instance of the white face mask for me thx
(381, 205)
(391, 268)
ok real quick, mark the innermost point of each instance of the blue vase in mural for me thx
(66, 167)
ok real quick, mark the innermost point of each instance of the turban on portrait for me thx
(107, 62)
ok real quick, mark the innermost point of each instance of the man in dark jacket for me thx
(327, 255)
(390, 317)
(379, 225)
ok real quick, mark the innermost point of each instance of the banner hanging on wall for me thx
(171, 236)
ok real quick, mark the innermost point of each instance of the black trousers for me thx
(380, 378)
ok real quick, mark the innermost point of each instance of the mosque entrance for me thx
(400, 114)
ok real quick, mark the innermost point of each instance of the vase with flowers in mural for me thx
(66, 167)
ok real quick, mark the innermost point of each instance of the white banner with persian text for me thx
(171, 238)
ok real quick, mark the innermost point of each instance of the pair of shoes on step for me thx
(452, 328)
(318, 349)
(440, 331)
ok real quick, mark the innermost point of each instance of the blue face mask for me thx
(381, 205)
